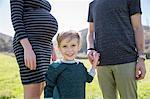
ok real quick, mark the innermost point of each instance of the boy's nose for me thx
(69, 49)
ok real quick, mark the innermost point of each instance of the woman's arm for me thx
(17, 8)
(29, 55)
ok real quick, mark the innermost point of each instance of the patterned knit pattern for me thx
(32, 19)
(70, 79)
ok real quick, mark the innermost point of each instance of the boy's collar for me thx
(69, 61)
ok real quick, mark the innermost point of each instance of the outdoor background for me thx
(70, 14)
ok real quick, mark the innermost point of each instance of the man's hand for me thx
(90, 55)
(96, 59)
(140, 69)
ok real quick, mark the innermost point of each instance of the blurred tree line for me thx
(6, 42)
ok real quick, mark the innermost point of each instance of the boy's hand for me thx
(95, 59)
(90, 54)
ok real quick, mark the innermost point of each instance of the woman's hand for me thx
(29, 55)
(30, 59)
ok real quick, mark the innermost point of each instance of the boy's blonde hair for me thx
(68, 34)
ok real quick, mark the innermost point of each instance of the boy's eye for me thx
(64, 46)
(73, 45)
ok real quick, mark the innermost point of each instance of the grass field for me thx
(10, 85)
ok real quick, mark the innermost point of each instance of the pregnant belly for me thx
(40, 24)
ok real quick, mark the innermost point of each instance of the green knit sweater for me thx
(70, 79)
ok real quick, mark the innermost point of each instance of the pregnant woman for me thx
(34, 29)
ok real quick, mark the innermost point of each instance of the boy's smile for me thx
(69, 48)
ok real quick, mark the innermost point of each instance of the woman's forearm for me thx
(25, 43)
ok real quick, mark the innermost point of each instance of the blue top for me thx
(114, 35)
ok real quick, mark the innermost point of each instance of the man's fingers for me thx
(137, 72)
(141, 76)
(140, 73)
(90, 57)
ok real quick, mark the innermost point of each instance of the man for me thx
(115, 31)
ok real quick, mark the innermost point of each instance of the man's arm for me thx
(138, 30)
(90, 36)
(90, 42)
(139, 40)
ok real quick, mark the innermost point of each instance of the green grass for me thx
(11, 88)
(10, 85)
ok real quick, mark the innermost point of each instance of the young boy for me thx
(68, 74)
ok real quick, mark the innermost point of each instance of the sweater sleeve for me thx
(92, 71)
(89, 75)
(17, 7)
(50, 78)
(89, 78)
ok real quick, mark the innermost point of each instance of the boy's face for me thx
(69, 48)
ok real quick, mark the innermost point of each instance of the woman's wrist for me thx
(25, 44)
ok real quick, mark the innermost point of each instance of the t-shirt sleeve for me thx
(90, 15)
(134, 7)
(17, 7)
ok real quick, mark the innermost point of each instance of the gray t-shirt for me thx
(114, 35)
